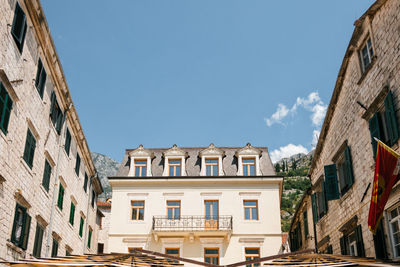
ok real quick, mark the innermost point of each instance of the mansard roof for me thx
(193, 160)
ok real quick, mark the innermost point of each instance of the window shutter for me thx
(81, 227)
(349, 177)
(13, 240)
(25, 230)
(324, 200)
(59, 121)
(37, 247)
(71, 214)
(359, 240)
(343, 247)
(314, 208)
(391, 120)
(305, 222)
(331, 182)
(299, 236)
(18, 29)
(375, 132)
(85, 182)
(53, 106)
(46, 175)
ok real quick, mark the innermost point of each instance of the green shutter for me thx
(305, 222)
(54, 249)
(37, 247)
(18, 29)
(77, 164)
(53, 101)
(360, 242)
(314, 208)
(29, 151)
(46, 175)
(25, 230)
(331, 182)
(85, 183)
(5, 108)
(81, 227)
(60, 197)
(349, 176)
(89, 238)
(67, 142)
(40, 78)
(17, 207)
(72, 213)
(375, 132)
(324, 200)
(391, 120)
(343, 245)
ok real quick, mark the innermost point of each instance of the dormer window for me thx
(248, 161)
(211, 161)
(366, 54)
(140, 167)
(249, 166)
(140, 159)
(211, 167)
(175, 162)
(175, 167)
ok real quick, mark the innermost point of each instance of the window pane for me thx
(177, 213)
(247, 213)
(170, 213)
(171, 171)
(174, 203)
(250, 203)
(393, 213)
(252, 173)
(175, 161)
(208, 170)
(215, 170)
(141, 214)
(215, 161)
(137, 171)
(137, 203)
(144, 170)
(248, 161)
(211, 251)
(178, 171)
(252, 251)
(254, 213)
(134, 214)
(172, 251)
(245, 171)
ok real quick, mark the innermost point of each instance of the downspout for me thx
(87, 213)
(314, 225)
(56, 181)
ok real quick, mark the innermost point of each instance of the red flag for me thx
(386, 172)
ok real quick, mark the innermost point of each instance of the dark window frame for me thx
(30, 147)
(19, 26)
(46, 175)
(77, 164)
(6, 104)
(24, 225)
(60, 199)
(37, 246)
(40, 80)
(68, 139)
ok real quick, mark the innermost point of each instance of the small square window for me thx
(366, 54)
(140, 168)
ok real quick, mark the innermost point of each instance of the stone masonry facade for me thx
(359, 94)
(21, 184)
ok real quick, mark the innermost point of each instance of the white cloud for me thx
(311, 103)
(315, 136)
(287, 151)
(278, 116)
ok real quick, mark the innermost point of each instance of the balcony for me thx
(192, 225)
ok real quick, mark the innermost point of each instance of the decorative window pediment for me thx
(140, 162)
(248, 161)
(175, 161)
(211, 161)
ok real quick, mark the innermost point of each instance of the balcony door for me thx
(211, 212)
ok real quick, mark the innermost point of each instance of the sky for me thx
(195, 72)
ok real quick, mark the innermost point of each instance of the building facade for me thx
(48, 183)
(365, 104)
(301, 234)
(217, 205)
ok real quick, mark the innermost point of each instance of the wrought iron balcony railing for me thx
(193, 223)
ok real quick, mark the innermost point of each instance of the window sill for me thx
(322, 219)
(26, 166)
(14, 247)
(364, 74)
(59, 211)
(44, 190)
(346, 195)
(136, 222)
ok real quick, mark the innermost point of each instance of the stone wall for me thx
(349, 120)
(21, 184)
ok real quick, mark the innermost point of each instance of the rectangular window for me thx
(296, 240)
(250, 209)
(248, 166)
(172, 252)
(351, 243)
(93, 198)
(133, 249)
(89, 237)
(40, 80)
(140, 168)
(305, 222)
(366, 54)
(21, 227)
(100, 248)
(252, 254)
(46, 175)
(67, 145)
(137, 210)
(211, 167)
(394, 222)
(211, 255)
(319, 202)
(30, 145)
(56, 114)
(72, 213)
(77, 164)
(175, 166)
(85, 183)
(67, 253)
(37, 246)
(18, 29)
(60, 200)
(173, 209)
(54, 249)
(5, 108)
(82, 223)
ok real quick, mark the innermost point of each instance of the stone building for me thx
(212, 204)
(48, 183)
(301, 233)
(365, 104)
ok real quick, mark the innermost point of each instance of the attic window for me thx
(366, 54)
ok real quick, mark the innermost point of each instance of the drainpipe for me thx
(314, 225)
(53, 202)
(87, 217)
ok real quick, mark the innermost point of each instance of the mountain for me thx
(105, 167)
(294, 170)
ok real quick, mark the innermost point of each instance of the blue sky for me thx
(192, 72)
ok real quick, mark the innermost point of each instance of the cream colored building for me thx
(219, 205)
(48, 183)
(365, 104)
